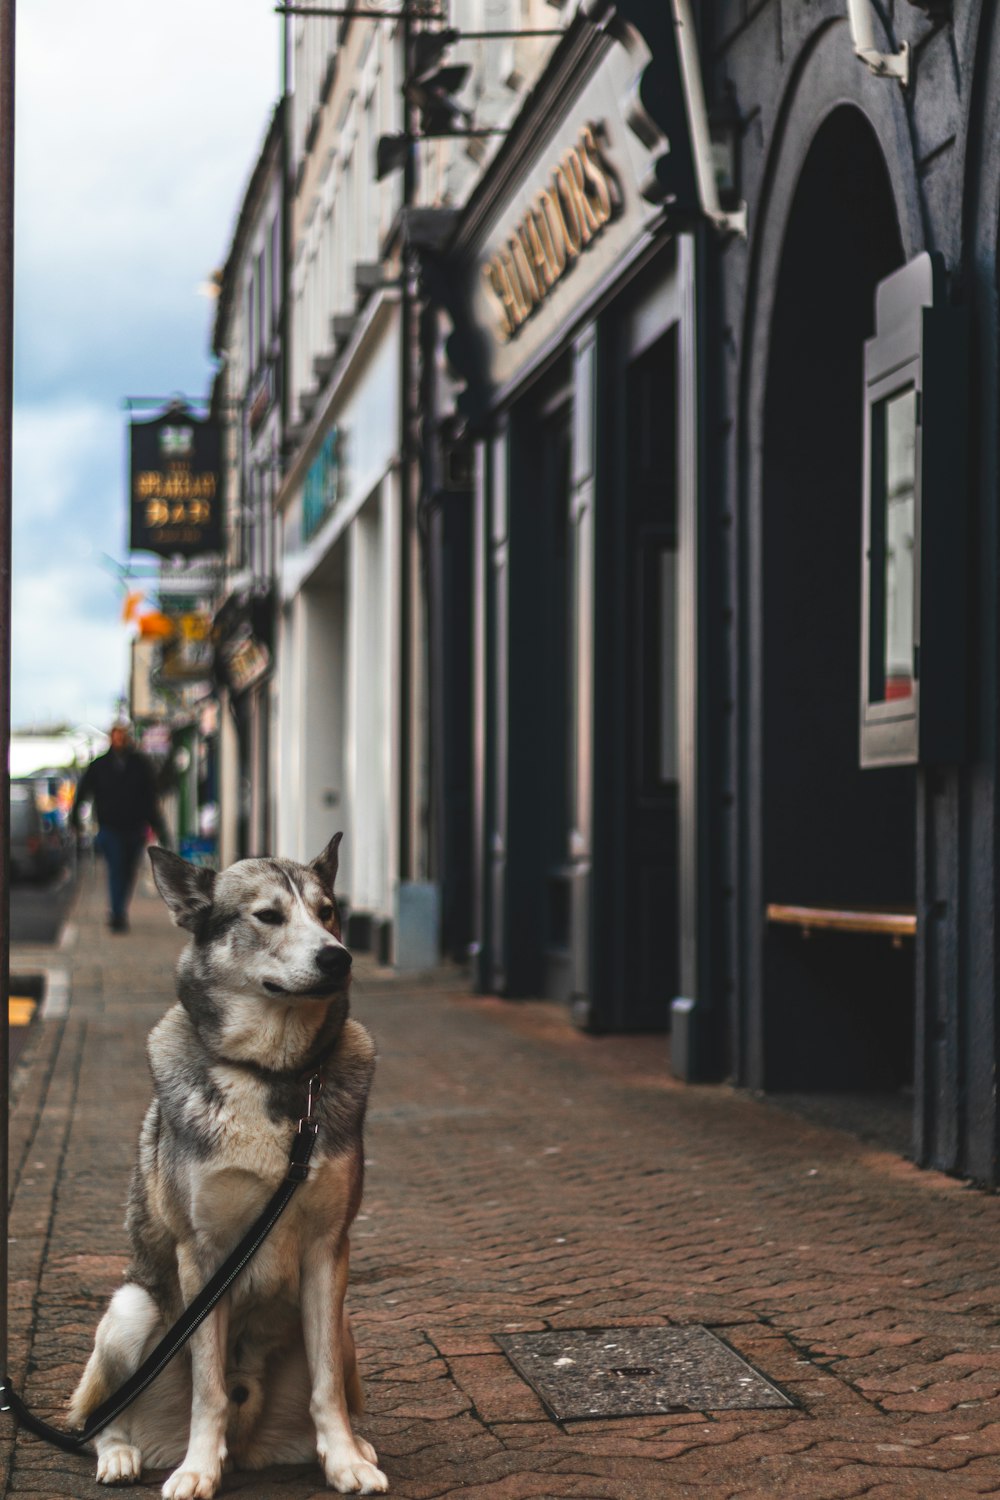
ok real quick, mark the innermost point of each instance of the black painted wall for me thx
(771, 813)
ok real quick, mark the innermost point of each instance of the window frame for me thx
(921, 344)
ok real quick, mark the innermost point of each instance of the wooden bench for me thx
(895, 922)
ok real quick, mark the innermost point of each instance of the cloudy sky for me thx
(137, 129)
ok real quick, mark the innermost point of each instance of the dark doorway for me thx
(449, 574)
(535, 695)
(635, 907)
(837, 1006)
(555, 662)
(650, 728)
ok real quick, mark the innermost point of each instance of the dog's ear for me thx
(187, 889)
(325, 864)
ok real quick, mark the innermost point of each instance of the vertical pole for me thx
(408, 747)
(7, 9)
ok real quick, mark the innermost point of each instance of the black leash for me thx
(298, 1169)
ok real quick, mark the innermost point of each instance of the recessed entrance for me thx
(838, 997)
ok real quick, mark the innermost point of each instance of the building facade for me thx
(570, 291)
(248, 401)
(338, 510)
(636, 534)
(850, 540)
(353, 741)
(735, 549)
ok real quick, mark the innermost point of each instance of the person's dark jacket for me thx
(122, 788)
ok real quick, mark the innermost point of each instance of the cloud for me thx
(67, 647)
(137, 130)
(56, 448)
(70, 662)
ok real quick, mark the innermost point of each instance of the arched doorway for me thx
(837, 1006)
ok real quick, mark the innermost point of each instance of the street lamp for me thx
(391, 152)
(725, 129)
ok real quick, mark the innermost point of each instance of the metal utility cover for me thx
(636, 1372)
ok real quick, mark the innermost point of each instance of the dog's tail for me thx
(122, 1336)
(353, 1388)
(355, 1392)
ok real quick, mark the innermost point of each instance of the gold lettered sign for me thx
(581, 197)
(175, 485)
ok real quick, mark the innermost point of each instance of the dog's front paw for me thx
(367, 1451)
(120, 1464)
(349, 1472)
(191, 1484)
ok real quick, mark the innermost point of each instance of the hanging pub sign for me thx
(175, 486)
(245, 660)
(188, 655)
(244, 630)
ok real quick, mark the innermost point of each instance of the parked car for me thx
(37, 849)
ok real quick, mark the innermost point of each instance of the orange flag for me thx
(156, 626)
(130, 608)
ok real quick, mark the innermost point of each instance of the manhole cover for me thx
(636, 1372)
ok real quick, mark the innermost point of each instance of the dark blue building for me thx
(734, 545)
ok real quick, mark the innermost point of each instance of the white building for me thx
(338, 521)
(248, 340)
(348, 699)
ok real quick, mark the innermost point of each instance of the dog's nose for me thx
(332, 961)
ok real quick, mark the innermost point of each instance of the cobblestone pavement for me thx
(525, 1177)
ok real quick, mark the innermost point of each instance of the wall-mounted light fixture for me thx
(391, 152)
(725, 130)
(439, 114)
(882, 64)
(432, 84)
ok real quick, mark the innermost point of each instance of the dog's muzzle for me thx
(334, 965)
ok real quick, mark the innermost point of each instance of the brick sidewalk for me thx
(525, 1177)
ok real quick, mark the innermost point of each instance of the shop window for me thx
(275, 271)
(892, 548)
(251, 318)
(263, 333)
(915, 502)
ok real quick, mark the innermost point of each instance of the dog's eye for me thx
(270, 916)
(325, 912)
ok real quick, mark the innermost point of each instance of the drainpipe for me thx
(732, 221)
(7, 12)
(409, 738)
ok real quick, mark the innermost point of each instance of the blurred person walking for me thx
(121, 785)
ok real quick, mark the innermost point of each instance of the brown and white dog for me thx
(271, 1374)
